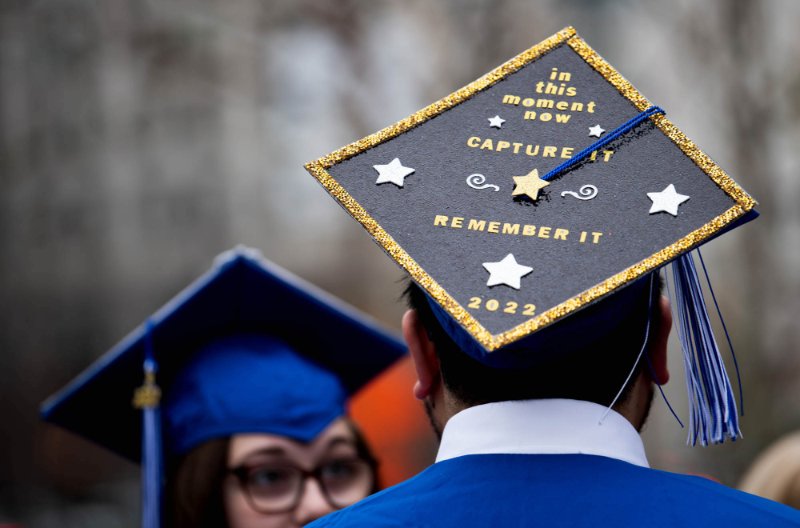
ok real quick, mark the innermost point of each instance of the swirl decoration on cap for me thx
(478, 181)
(586, 192)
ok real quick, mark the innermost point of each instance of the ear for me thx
(423, 354)
(658, 349)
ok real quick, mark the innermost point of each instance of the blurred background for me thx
(139, 138)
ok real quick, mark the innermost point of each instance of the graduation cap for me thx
(541, 188)
(246, 348)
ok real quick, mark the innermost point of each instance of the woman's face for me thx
(270, 485)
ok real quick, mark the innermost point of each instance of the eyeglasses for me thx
(278, 487)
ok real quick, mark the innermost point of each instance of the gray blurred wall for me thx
(140, 138)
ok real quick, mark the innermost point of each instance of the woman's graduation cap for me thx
(544, 186)
(246, 348)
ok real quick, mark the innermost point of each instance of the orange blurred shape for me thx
(394, 424)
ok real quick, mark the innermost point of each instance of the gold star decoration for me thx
(529, 185)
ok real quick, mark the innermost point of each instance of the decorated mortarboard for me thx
(540, 189)
(246, 348)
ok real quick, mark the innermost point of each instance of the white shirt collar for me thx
(541, 427)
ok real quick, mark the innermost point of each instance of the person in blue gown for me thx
(548, 445)
(536, 324)
(233, 398)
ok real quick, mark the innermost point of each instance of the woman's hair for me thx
(193, 495)
(775, 474)
(365, 453)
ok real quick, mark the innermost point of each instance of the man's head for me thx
(449, 380)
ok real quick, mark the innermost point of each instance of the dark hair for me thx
(193, 495)
(594, 372)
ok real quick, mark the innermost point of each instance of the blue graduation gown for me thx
(558, 490)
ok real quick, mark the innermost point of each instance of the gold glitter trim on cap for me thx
(490, 342)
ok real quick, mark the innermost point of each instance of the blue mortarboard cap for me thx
(542, 190)
(246, 348)
(250, 383)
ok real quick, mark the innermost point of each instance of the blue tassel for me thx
(147, 398)
(712, 406)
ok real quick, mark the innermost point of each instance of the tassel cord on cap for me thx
(698, 414)
(661, 390)
(712, 406)
(147, 398)
(647, 359)
(727, 334)
(625, 127)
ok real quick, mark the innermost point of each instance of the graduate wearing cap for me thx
(233, 397)
(533, 210)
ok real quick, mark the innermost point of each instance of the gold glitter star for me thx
(529, 185)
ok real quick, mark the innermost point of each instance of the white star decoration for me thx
(496, 121)
(392, 172)
(596, 131)
(666, 201)
(507, 272)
